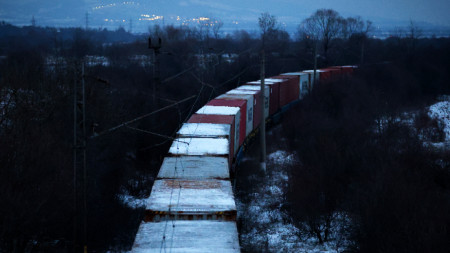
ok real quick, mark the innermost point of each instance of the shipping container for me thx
(304, 84)
(201, 147)
(311, 78)
(267, 89)
(183, 199)
(257, 103)
(335, 73)
(274, 85)
(248, 111)
(187, 236)
(205, 130)
(240, 117)
(348, 70)
(289, 89)
(194, 167)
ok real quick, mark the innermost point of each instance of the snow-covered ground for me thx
(132, 201)
(441, 111)
(267, 227)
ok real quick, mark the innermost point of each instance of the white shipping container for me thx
(303, 82)
(190, 197)
(187, 236)
(226, 110)
(250, 104)
(194, 167)
(204, 130)
(200, 146)
(266, 95)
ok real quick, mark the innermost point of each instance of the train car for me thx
(194, 167)
(219, 147)
(312, 80)
(267, 89)
(304, 83)
(190, 199)
(191, 207)
(334, 73)
(205, 130)
(240, 117)
(257, 103)
(248, 123)
(347, 70)
(187, 236)
(274, 85)
(289, 90)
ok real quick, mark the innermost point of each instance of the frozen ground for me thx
(266, 226)
(441, 111)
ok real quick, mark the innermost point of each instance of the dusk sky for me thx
(112, 14)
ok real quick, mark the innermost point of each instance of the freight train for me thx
(191, 207)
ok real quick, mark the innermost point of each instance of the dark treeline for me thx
(362, 167)
(39, 67)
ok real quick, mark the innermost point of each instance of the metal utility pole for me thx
(131, 26)
(156, 71)
(315, 68)
(79, 150)
(87, 20)
(33, 21)
(263, 121)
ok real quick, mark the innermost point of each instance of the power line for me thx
(139, 118)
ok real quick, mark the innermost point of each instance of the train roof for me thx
(219, 110)
(244, 92)
(200, 146)
(194, 167)
(191, 196)
(295, 74)
(204, 130)
(187, 236)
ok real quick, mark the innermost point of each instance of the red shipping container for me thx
(289, 89)
(274, 85)
(218, 119)
(335, 73)
(242, 104)
(347, 70)
(257, 103)
(325, 75)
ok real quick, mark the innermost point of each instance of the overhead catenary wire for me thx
(139, 118)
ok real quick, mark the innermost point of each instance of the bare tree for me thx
(322, 26)
(413, 35)
(355, 27)
(267, 24)
(216, 26)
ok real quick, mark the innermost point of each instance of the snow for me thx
(275, 80)
(132, 201)
(200, 146)
(295, 74)
(187, 236)
(249, 87)
(191, 196)
(204, 130)
(270, 228)
(194, 167)
(266, 82)
(441, 111)
(245, 92)
(219, 110)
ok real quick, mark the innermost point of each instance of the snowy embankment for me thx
(441, 111)
(132, 201)
(270, 228)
